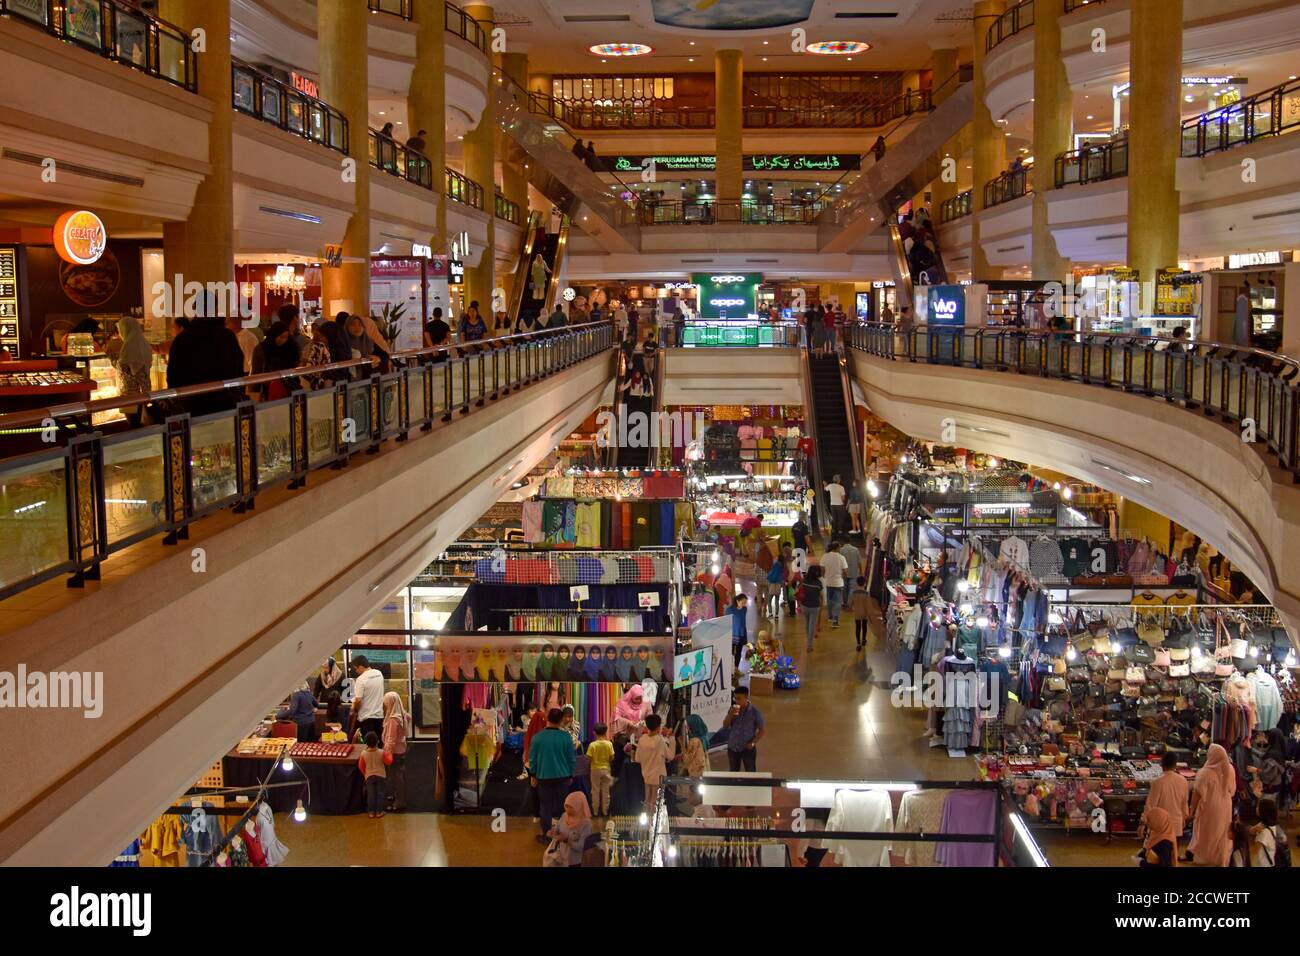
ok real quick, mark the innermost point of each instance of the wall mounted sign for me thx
(455, 272)
(946, 305)
(80, 237)
(9, 335)
(755, 163)
(1249, 260)
(730, 293)
(305, 84)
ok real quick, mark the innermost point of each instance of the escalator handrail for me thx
(810, 420)
(850, 409)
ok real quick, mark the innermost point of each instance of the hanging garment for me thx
(920, 812)
(972, 812)
(683, 518)
(625, 518)
(860, 811)
(532, 521)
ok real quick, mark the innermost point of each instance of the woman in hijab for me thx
(573, 826)
(397, 726)
(626, 663)
(631, 706)
(591, 671)
(330, 675)
(528, 667)
(337, 349)
(359, 344)
(134, 360)
(1216, 782)
(1160, 847)
(695, 757)
(302, 711)
(276, 353)
(642, 668)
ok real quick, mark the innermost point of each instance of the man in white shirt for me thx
(833, 566)
(367, 698)
(247, 341)
(835, 497)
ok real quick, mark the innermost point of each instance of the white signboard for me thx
(578, 593)
(711, 699)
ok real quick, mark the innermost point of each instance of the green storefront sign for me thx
(754, 163)
(727, 294)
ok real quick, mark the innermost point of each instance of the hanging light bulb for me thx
(299, 813)
(1290, 658)
(643, 819)
(672, 851)
(982, 621)
(700, 790)
(966, 610)
(1196, 652)
(872, 488)
(1053, 618)
(1070, 653)
(963, 586)
(286, 764)
(424, 643)
(1254, 651)
(1056, 486)
(1068, 493)
(1004, 650)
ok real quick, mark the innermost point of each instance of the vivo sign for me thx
(725, 280)
(945, 308)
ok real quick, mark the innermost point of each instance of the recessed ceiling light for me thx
(764, 43)
(692, 43)
(837, 47)
(620, 49)
(764, 59)
(1189, 98)
(1291, 77)
(690, 59)
(1089, 116)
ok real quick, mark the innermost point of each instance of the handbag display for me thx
(1150, 630)
(1135, 675)
(1163, 657)
(1177, 654)
(1115, 673)
(1140, 654)
(1180, 670)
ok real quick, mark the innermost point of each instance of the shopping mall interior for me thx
(902, 389)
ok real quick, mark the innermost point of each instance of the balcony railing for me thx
(1072, 5)
(1233, 382)
(461, 188)
(401, 161)
(956, 207)
(1010, 23)
(263, 97)
(711, 211)
(1092, 164)
(1267, 113)
(508, 210)
(467, 28)
(69, 507)
(398, 8)
(1012, 184)
(115, 30)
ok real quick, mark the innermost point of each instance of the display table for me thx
(336, 782)
(728, 524)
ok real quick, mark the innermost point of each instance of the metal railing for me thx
(778, 212)
(956, 207)
(1072, 5)
(401, 161)
(1231, 381)
(398, 8)
(1010, 23)
(508, 210)
(1092, 164)
(1012, 184)
(1267, 113)
(467, 28)
(115, 30)
(461, 188)
(263, 97)
(69, 507)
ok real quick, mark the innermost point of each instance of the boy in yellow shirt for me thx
(601, 754)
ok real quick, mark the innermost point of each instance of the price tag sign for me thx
(648, 599)
(578, 593)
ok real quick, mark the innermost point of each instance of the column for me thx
(426, 101)
(728, 74)
(989, 147)
(514, 178)
(1053, 106)
(480, 166)
(1156, 40)
(943, 64)
(343, 42)
(202, 248)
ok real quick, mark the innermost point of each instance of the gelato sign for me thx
(759, 163)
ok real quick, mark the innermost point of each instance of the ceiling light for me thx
(1189, 98)
(764, 43)
(1089, 116)
(690, 59)
(837, 47)
(764, 59)
(620, 49)
(300, 813)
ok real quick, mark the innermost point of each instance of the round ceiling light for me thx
(838, 47)
(620, 49)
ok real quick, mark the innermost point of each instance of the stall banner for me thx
(953, 514)
(1039, 514)
(591, 657)
(711, 699)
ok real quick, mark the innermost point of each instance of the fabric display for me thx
(490, 605)
(569, 524)
(164, 840)
(581, 622)
(651, 486)
(921, 811)
(468, 658)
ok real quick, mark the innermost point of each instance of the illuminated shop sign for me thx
(727, 303)
(726, 280)
(455, 272)
(946, 305)
(1249, 260)
(80, 237)
(305, 84)
(735, 293)
(758, 163)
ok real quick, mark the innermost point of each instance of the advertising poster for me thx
(397, 299)
(438, 289)
(711, 699)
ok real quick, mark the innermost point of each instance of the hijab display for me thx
(609, 664)
(532, 658)
(546, 666)
(626, 664)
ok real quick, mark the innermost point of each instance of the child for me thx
(653, 751)
(601, 754)
(372, 763)
(860, 605)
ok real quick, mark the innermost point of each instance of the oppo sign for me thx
(727, 303)
(726, 280)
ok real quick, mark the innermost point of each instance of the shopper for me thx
(373, 764)
(397, 728)
(302, 711)
(834, 569)
(1212, 809)
(1268, 836)
(809, 595)
(436, 331)
(860, 607)
(600, 755)
(359, 343)
(654, 750)
(581, 152)
(133, 362)
(1160, 845)
(852, 567)
(1241, 329)
(739, 633)
(472, 326)
(744, 723)
(799, 532)
(328, 678)
(206, 351)
(771, 577)
(567, 722)
(367, 699)
(1240, 856)
(316, 354)
(857, 507)
(590, 157)
(837, 498)
(572, 828)
(556, 319)
(277, 353)
(340, 350)
(416, 142)
(550, 764)
(1169, 792)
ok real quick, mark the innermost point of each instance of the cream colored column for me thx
(202, 248)
(989, 147)
(342, 31)
(426, 102)
(943, 64)
(1153, 138)
(514, 180)
(480, 166)
(1053, 127)
(728, 73)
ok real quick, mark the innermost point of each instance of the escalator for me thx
(905, 277)
(832, 426)
(537, 276)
